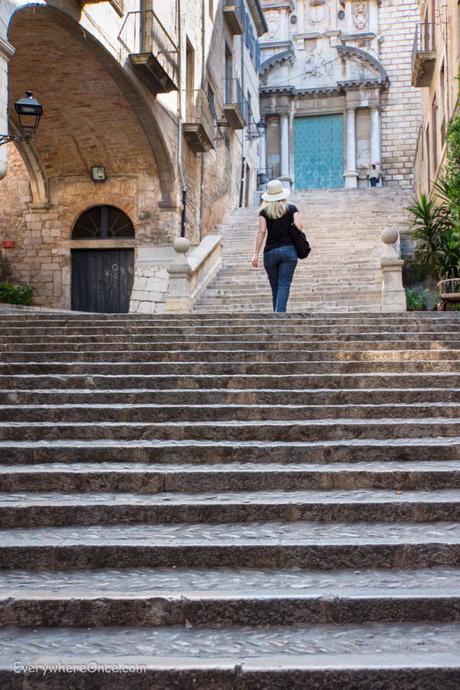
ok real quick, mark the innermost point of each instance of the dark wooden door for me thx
(102, 280)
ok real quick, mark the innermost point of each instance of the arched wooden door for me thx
(102, 279)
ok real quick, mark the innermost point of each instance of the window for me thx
(442, 104)
(427, 148)
(212, 101)
(102, 223)
(434, 133)
(190, 80)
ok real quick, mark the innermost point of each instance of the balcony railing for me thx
(423, 54)
(236, 106)
(151, 51)
(234, 16)
(199, 124)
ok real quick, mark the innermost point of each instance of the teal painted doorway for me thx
(318, 150)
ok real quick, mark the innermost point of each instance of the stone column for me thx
(6, 51)
(375, 136)
(351, 174)
(284, 147)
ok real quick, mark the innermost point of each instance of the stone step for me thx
(229, 368)
(197, 598)
(296, 544)
(186, 350)
(412, 656)
(283, 431)
(240, 356)
(374, 397)
(358, 379)
(87, 477)
(147, 412)
(23, 510)
(188, 452)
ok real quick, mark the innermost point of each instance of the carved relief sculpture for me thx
(360, 15)
(317, 12)
(274, 21)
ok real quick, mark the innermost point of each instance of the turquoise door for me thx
(318, 146)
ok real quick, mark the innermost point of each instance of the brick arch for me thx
(94, 113)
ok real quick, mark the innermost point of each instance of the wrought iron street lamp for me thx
(29, 112)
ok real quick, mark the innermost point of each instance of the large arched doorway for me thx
(102, 279)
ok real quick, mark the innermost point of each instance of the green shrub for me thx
(16, 294)
(421, 299)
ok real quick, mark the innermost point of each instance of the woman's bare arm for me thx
(298, 220)
(259, 241)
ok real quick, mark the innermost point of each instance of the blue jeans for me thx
(280, 264)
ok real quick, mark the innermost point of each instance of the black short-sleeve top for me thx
(278, 229)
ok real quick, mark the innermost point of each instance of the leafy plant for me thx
(421, 299)
(16, 294)
(436, 218)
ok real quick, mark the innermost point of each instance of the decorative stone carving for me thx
(317, 65)
(273, 18)
(317, 13)
(360, 15)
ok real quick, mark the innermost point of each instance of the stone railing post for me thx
(180, 273)
(393, 293)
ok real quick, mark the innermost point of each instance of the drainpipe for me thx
(180, 150)
(243, 161)
(203, 76)
(243, 152)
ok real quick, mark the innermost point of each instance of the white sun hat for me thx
(276, 191)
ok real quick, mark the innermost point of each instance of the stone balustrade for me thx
(393, 293)
(192, 271)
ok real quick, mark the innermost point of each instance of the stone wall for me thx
(401, 103)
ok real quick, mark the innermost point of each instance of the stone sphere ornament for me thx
(389, 236)
(181, 245)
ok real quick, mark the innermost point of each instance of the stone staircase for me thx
(238, 502)
(342, 274)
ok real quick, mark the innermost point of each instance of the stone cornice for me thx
(258, 16)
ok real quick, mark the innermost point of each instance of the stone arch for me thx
(27, 21)
(38, 178)
(363, 57)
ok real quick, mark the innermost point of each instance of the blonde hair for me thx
(274, 209)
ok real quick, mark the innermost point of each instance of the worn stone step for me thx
(148, 412)
(229, 430)
(276, 328)
(47, 509)
(186, 350)
(256, 545)
(358, 379)
(234, 368)
(234, 356)
(224, 396)
(386, 655)
(197, 598)
(423, 448)
(150, 478)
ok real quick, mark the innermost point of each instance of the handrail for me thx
(424, 39)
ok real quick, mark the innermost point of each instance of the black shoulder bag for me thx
(299, 240)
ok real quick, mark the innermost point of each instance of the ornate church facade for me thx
(336, 92)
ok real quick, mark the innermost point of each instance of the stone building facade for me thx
(336, 91)
(435, 67)
(164, 98)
